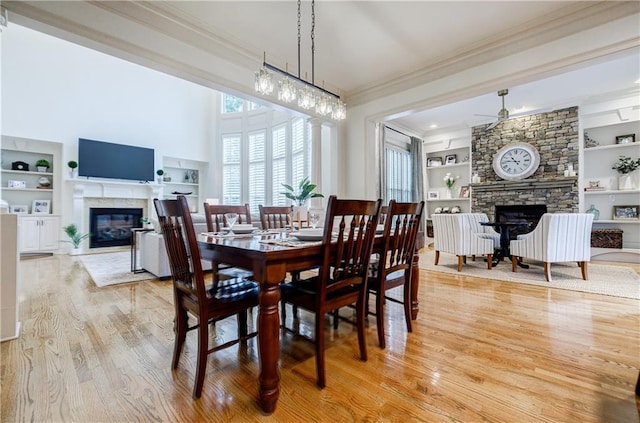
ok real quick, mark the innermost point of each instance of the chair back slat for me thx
(214, 214)
(275, 217)
(349, 232)
(400, 233)
(182, 246)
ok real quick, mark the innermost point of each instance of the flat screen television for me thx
(99, 159)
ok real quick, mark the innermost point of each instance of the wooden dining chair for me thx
(216, 221)
(214, 214)
(394, 265)
(208, 303)
(347, 243)
(275, 217)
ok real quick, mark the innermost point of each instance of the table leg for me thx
(133, 251)
(415, 284)
(269, 345)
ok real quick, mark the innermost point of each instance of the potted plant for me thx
(624, 166)
(301, 195)
(73, 165)
(75, 238)
(42, 165)
(159, 172)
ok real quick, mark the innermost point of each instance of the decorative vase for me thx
(44, 182)
(448, 193)
(595, 212)
(625, 181)
(73, 174)
(42, 168)
(75, 251)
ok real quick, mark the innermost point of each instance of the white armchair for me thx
(558, 237)
(461, 234)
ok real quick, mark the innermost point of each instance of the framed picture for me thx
(464, 191)
(433, 195)
(41, 207)
(450, 159)
(625, 212)
(18, 209)
(434, 161)
(625, 139)
(16, 184)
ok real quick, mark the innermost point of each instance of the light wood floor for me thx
(480, 351)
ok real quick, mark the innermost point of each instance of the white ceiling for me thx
(578, 87)
(369, 48)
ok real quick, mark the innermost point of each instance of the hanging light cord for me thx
(299, 38)
(313, 41)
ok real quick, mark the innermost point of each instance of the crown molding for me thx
(575, 18)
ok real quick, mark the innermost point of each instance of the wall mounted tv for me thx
(98, 159)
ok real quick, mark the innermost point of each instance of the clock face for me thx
(516, 161)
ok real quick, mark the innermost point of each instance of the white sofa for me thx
(153, 255)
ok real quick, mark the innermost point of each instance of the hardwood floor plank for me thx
(480, 350)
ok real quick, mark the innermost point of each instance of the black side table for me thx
(134, 249)
(505, 239)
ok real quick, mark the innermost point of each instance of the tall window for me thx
(231, 182)
(399, 171)
(257, 174)
(279, 165)
(256, 163)
(231, 104)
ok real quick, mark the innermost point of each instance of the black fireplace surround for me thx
(111, 227)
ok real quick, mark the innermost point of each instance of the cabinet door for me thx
(49, 233)
(29, 234)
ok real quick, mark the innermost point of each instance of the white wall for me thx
(58, 91)
(53, 90)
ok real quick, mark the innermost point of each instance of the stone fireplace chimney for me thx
(555, 136)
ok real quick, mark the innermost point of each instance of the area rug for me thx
(112, 268)
(616, 281)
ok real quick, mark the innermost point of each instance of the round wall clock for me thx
(516, 161)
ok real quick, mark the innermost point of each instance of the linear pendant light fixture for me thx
(292, 87)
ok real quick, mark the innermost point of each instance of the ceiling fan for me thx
(503, 114)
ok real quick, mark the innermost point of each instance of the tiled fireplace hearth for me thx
(88, 194)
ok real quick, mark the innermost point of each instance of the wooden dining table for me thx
(269, 257)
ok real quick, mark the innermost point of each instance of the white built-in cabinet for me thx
(182, 176)
(597, 165)
(20, 188)
(436, 154)
(39, 233)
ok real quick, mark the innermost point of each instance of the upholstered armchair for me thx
(558, 237)
(461, 234)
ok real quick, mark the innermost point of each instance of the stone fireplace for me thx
(555, 136)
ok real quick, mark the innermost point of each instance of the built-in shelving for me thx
(38, 232)
(185, 176)
(458, 146)
(596, 168)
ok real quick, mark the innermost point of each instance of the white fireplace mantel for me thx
(110, 194)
